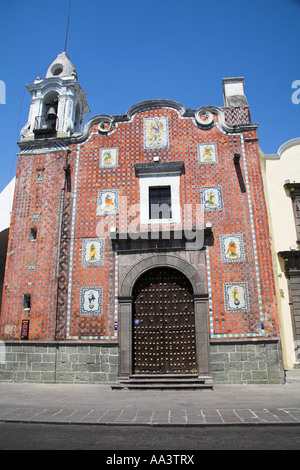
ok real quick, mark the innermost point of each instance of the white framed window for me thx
(160, 199)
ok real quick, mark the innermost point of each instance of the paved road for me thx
(98, 404)
(171, 440)
(187, 415)
(254, 417)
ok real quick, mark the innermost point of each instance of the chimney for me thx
(233, 92)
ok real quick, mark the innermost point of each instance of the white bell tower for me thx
(58, 105)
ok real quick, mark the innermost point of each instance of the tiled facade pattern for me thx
(40, 179)
(33, 264)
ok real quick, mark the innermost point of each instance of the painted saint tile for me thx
(211, 198)
(232, 248)
(207, 153)
(156, 133)
(108, 201)
(91, 301)
(108, 157)
(236, 297)
(92, 252)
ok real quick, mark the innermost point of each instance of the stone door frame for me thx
(125, 300)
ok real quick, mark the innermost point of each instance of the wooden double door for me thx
(164, 339)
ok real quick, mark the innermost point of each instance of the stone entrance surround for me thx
(127, 281)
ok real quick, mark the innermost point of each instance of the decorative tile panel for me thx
(207, 153)
(108, 201)
(91, 301)
(156, 133)
(236, 297)
(93, 252)
(232, 248)
(211, 198)
(108, 157)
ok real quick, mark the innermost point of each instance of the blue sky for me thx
(127, 51)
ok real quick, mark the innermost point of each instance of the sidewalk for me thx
(99, 404)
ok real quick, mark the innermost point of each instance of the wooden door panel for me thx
(163, 324)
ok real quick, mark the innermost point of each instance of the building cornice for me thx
(107, 123)
(287, 145)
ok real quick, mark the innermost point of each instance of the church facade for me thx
(139, 245)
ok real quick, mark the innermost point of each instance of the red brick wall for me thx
(31, 265)
(44, 198)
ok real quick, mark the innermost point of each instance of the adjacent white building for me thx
(6, 201)
(281, 172)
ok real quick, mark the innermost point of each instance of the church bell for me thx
(51, 114)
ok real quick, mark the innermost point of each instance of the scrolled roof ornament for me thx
(106, 125)
(204, 118)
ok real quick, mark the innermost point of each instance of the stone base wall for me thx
(58, 363)
(246, 363)
(232, 363)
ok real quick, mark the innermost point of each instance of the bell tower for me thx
(58, 105)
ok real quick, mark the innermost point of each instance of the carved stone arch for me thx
(125, 308)
(166, 261)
